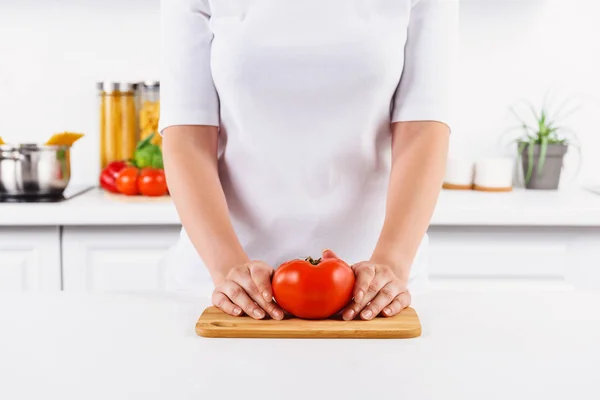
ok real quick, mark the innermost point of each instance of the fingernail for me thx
(277, 314)
(258, 313)
(359, 296)
(387, 311)
(367, 314)
(237, 311)
(266, 296)
(350, 314)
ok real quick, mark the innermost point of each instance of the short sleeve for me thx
(430, 58)
(187, 93)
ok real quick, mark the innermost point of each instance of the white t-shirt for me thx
(304, 93)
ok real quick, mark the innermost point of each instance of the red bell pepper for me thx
(109, 175)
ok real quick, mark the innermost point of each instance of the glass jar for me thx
(118, 121)
(150, 111)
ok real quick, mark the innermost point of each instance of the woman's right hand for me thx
(247, 288)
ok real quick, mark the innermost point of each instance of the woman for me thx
(294, 126)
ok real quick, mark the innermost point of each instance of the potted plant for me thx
(543, 144)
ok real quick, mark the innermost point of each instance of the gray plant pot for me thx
(549, 177)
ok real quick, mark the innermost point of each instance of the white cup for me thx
(494, 173)
(459, 174)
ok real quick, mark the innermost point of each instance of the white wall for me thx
(514, 49)
(53, 52)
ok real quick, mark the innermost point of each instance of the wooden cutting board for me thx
(214, 323)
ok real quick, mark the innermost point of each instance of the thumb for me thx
(329, 254)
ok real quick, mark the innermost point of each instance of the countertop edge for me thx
(561, 209)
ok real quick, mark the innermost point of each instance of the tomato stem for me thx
(313, 261)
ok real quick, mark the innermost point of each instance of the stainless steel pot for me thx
(30, 170)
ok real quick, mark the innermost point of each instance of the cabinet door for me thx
(30, 259)
(116, 259)
(514, 257)
(497, 252)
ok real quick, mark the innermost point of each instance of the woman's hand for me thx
(377, 291)
(247, 288)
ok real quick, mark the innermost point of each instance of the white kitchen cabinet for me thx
(30, 259)
(116, 258)
(515, 256)
(584, 261)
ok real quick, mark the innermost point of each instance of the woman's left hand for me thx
(377, 291)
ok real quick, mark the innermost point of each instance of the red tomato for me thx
(127, 181)
(152, 182)
(313, 289)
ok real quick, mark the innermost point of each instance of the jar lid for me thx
(151, 84)
(128, 86)
(108, 86)
(111, 87)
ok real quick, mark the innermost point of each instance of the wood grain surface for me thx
(451, 186)
(214, 323)
(491, 189)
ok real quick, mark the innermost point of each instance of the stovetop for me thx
(69, 193)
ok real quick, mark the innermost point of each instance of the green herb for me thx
(61, 154)
(148, 154)
(145, 142)
(157, 161)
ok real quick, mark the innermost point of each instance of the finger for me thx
(364, 275)
(243, 278)
(379, 279)
(397, 305)
(386, 295)
(351, 311)
(262, 281)
(261, 275)
(370, 280)
(238, 296)
(222, 302)
(329, 254)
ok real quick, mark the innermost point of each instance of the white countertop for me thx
(475, 345)
(576, 207)
(518, 208)
(95, 207)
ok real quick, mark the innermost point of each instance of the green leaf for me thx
(543, 152)
(530, 151)
(145, 142)
(541, 130)
(157, 161)
(543, 118)
(143, 158)
(61, 154)
(545, 130)
(146, 153)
